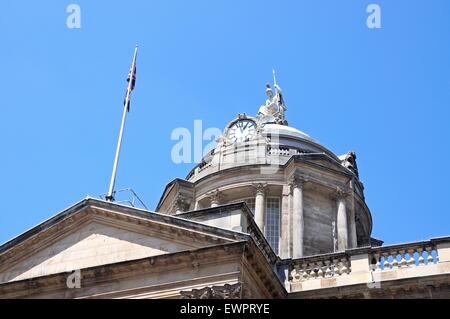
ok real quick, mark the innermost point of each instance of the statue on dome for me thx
(273, 110)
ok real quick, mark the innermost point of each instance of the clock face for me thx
(242, 131)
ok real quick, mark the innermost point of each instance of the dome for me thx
(284, 130)
(280, 172)
(284, 136)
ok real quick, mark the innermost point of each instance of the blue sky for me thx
(384, 93)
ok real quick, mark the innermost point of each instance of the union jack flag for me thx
(131, 79)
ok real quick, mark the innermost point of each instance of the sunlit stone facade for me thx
(268, 213)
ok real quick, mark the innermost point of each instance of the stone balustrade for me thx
(280, 151)
(202, 166)
(324, 266)
(368, 265)
(401, 256)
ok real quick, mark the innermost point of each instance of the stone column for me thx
(260, 206)
(341, 220)
(285, 222)
(353, 236)
(353, 218)
(297, 217)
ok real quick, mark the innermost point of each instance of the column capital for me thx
(182, 203)
(215, 196)
(341, 193)
(260, 188)
(297, 181)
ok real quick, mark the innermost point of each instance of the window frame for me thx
(266, 209)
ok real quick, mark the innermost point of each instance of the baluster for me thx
(328, 269)
(306, 274)
(386, 265)
(305, 271)
(421, 259)
(323, 268)
(349, 266)
(411, 261)
(378, 261)
(344, 269)
(394, 259)
(295, 274)
(320, 273)
(402, 258)
(430, 259)
(335, 269)
(313, 274)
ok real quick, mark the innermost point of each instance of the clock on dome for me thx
(242, 130)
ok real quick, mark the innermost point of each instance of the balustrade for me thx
(407, 256)
(316, 268)
(420, 254)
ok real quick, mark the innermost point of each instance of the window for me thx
(250, 203)
(272, 228)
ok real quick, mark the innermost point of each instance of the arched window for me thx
(272, 227)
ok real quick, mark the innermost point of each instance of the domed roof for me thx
(268, 139)
(287, 131)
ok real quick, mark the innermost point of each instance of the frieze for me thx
(215, 292)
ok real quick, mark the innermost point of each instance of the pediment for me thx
(94, 236)
(321, 160)
(332, 165)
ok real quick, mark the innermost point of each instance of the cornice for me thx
(219, 209)
(253, 230)
(61, 224)
(169, 186)
(115, 271)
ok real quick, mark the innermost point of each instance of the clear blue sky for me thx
(384, 93)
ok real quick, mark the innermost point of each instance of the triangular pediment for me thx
(320, 161)
(94, 236)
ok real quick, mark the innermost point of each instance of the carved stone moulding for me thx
(341, 193)
(297, 181)
(182, 203)
(216, 196)
(260, 188)
(215, 292)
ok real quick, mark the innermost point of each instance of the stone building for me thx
(268, 213)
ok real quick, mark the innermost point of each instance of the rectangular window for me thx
(251, 204)
(272, 227)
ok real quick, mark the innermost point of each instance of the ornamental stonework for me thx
(215, 292)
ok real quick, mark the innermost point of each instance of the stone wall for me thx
(319, 215)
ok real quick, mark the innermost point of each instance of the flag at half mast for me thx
(131, 79)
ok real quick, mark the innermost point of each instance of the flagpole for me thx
(110, 196)
(275, 82)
